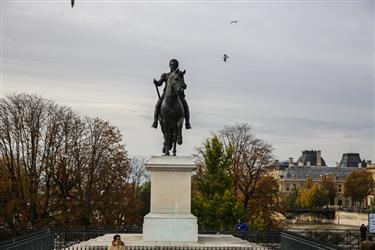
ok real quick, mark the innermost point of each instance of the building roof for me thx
(279, 165)
(350, 160)
(310, 156)
(316, 173)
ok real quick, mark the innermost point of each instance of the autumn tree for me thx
(249, 158)
(358, 185)
(265, 203)
(308, 183)
(59, 168)
(314, 197)
(214, 202)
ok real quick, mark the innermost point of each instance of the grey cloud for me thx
(300, 73)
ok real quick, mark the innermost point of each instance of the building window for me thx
(339, 188)
(287, 187)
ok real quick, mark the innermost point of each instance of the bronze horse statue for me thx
(172, 112)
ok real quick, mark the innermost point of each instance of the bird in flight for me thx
(225, 57)
(234, 21)
(72, 2)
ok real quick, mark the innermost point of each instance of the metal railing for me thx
(289, 240)
(68, 238)
(349, 239)
(42, 240)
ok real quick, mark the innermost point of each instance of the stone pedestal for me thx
(170, 217)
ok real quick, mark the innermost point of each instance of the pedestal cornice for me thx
(171, 163)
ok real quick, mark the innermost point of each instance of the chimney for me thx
(319, 158)
(290, 162)
(300, 163)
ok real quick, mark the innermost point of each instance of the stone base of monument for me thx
(170, 218)
(170, 224)
(170, 227)
(136, 242)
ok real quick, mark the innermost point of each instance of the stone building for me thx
(311, 165)
(296, 177)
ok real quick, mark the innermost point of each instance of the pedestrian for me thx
(242, 228)
(117, 243)
(363, 231)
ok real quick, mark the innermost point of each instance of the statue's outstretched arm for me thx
(162, 79)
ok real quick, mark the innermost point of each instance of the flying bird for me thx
(234, 21)
(225, 57)
(72, 2)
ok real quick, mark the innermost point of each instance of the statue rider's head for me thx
(173, 64)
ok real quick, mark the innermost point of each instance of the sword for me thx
(157, 90)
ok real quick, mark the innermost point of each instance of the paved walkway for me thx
(204, 241)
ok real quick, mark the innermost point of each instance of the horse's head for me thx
(176, 83)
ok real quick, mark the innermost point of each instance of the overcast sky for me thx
(300, 73)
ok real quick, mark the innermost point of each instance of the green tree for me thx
(214, 202)
(319, 196)
(144, 194)
(292, 198)
(258, 222)
(329, 185)
(358, 185)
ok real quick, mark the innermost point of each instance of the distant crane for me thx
(225, 57)
(234, 21)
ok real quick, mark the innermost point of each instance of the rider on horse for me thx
(173, 65)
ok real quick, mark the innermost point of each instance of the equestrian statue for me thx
(171, 109)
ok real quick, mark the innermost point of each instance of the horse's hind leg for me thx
(170, 141)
